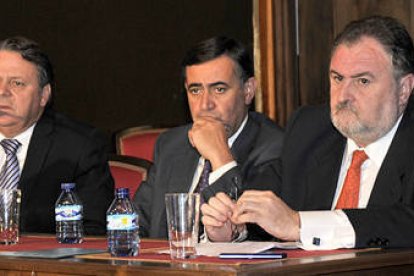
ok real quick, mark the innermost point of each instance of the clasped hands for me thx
(221, 216)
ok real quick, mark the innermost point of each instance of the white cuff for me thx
(241, 235)
(220, 171)
(323, 230)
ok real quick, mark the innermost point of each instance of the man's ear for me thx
(249, 90)
(45, 96)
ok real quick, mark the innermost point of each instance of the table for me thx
(343, 262)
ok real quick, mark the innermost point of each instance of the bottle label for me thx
(68, 212)
(122, 222)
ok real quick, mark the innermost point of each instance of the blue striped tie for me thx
(10, 174)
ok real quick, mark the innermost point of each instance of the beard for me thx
(347, 120)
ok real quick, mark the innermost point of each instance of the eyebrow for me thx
(334, 72)
(356, 75)
(197, 84)
(362, 74)
(191, 85)
(217, 83)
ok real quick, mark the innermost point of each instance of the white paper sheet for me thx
(216, 248)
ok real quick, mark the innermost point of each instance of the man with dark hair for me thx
(48, 148)
(226, 146)
(347, 173)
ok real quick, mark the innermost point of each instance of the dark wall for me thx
(117, 61)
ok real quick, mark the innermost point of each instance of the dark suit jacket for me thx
(310, 167)
(176, 160)
(62, 150)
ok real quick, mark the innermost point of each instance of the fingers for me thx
(252, 201)
(223, 199)
(253, 206)
(216, 216)
(212, 216)
(269, 212)
(248, 217)
(218, 210)
(247, 211)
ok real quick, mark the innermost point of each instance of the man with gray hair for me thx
(346, 173)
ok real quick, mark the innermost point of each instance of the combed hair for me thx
(216, 46)
(30, 51)
(393, 36)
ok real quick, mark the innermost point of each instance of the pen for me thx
(234, 189)
(252, 255)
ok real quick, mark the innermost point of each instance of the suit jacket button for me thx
(384, 242)
(371, 243)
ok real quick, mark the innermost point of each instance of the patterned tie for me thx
(10, 174)
(350, 190)
(203, 181)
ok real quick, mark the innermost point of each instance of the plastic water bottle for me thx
(122, 225)
(68, 211)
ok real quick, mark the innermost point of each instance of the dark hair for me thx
(388, 31)
(216, 46)
(30, 51)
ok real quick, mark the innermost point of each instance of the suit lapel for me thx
(39, 146)
(177, 180)
(323, 173)
(397, 166)
(183, 170)
(183, 166)
(245, 142)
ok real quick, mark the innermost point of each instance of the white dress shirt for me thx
(214, 175)
(332, 228)
(24, 139)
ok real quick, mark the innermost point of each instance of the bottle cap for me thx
(122, 192)
(65, 186)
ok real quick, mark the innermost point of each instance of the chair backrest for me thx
(138, 141)
(128, 172)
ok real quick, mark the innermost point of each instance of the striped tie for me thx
(203, 181)
(10, 174)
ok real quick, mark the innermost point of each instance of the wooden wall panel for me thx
(345, 11)
(305, 80)
(275, 58)
(315, 39)
(117, 62)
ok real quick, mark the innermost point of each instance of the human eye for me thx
(337, 78)
(220, 89)
(364, 81)
(16, 83)
(195, 90)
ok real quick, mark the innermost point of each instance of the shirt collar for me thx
(24, 137)
(233, 138)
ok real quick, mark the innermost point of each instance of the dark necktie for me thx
(203, 181)
(10, 173)
(350, 190)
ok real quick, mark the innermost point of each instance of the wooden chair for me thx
(128, 171)
(138, 141)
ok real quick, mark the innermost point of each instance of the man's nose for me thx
(4, 89)
(207, 101)
(345, 91)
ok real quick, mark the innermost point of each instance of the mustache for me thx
(345, 105)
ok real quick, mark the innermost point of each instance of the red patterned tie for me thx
(350, 190)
